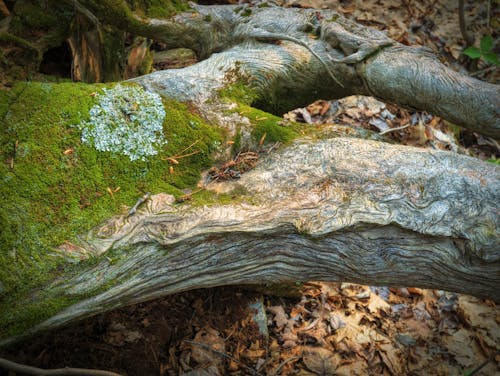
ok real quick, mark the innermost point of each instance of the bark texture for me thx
(341, 209)
(347, 59)
(319, 54)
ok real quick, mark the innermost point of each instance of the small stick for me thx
(139, 202)
(28, 370)
(189, 147)
(395, 129)
(186, 155)
(286, 361)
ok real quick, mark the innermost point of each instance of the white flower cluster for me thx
(126, 120)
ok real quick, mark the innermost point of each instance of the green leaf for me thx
(472, 52)
(486, 43)
(491, 57)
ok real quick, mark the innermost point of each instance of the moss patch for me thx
(263, 123)
(54, 187)
(160, 8)
(266, 126)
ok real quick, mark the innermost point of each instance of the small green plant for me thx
(485, 51)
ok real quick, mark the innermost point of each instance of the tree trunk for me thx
(321, 208)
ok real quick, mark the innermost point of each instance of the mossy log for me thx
(319, 207)
(311, 54)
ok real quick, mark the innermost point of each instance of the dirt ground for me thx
(327, 328)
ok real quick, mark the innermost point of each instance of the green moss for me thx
(210, 198)
(31, 15)
(56, 187)
(46, 22)
(262, 122)
(246, 13)
(12, 39)
(236, 147)
(147, 64)
(266, 126)
(4, 103)
(239, 93)
(159, 8)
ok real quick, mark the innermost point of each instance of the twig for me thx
(481, 71)
(189, 147)
(28, 370)
(286, 361)
(469, 39)
(276, 144)
(224, 355)
(188, 196)
(395, 129)
(175, 158)
(139, 202)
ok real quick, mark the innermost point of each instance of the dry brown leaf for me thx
(253, 354)
(357, 367)
(209, 337)
(415, 291)
(320, 360)
(208, 371)
(348, 347)
(280, 317)
(418, 329)
(376, 303)
(392, 359)
(462, 346)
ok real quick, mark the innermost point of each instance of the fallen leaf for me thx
(392, 359)
(461, 345)
(208, 371)
(211, 339)
(280, 317)
(336, 322)
(320, 360)
(377, 304)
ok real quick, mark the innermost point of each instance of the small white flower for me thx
(126, 120)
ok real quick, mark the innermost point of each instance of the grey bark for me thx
(354, 60)
(341, 209)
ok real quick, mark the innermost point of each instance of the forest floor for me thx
(316, 328)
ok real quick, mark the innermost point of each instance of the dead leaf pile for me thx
(349, 329)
